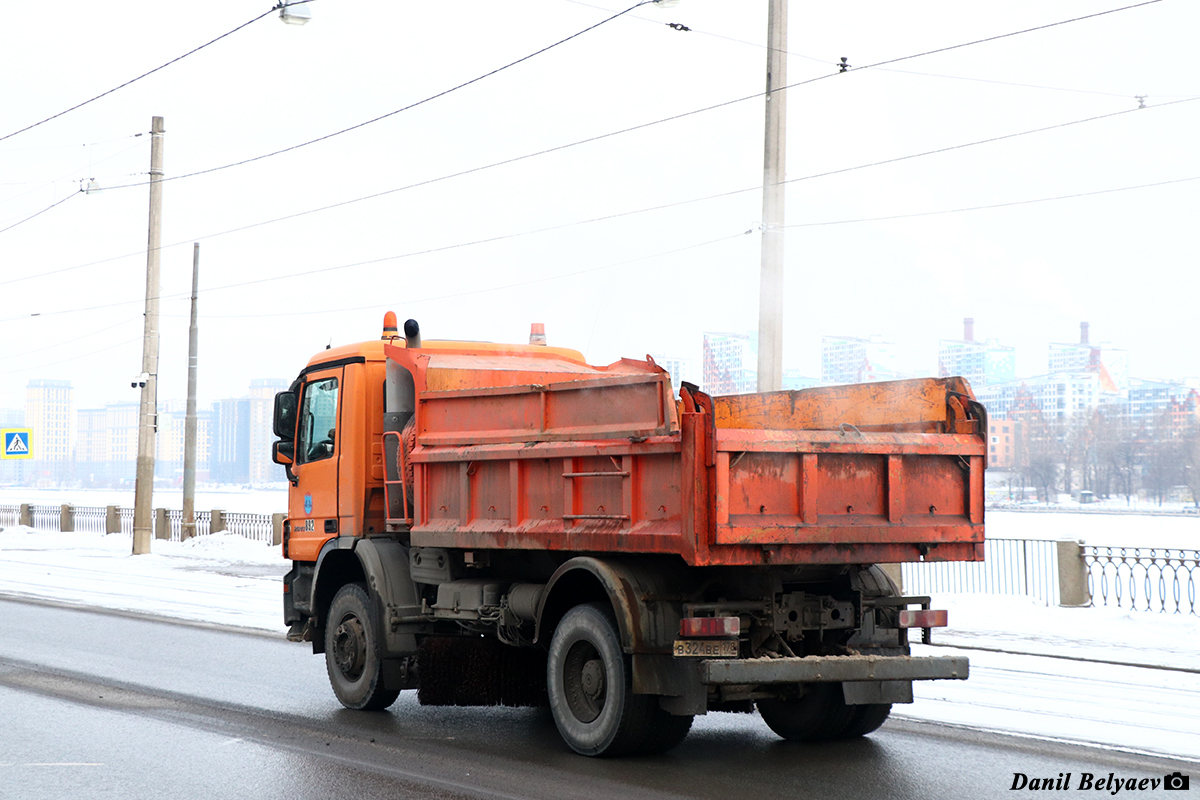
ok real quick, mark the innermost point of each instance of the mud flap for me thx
(676, 682)
(860, 693)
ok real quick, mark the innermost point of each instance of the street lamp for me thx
(295, 12)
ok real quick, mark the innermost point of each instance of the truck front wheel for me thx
(352, 654)
(591, 691)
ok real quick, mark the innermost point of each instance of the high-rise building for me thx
(106, 444)
(1058, 396)
(981, 363)
(793, 379)
(848, 359)
(241, 444)
(172, 430)
(50, 415)
(678, 367)
(1110, 363)
(1004, 442)
(267, 388)
(1148, 405)
(730, 363)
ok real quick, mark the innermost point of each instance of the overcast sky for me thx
(578, 238)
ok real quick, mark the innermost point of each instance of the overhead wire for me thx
(991, 206)
(73, 358)
(629, 130)
(138, 78)
(827, 62)
(489, 289)
(408, 107)
(67, 175)
(546, 151)
(724, 104)
(43, 211)
(643, 210)
(73, 340)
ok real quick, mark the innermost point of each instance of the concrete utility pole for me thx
(189, 424)
(143, 522)
(770, 287)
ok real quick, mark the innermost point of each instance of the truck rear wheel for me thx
(352, 654)
(866, 718)
(591, 691)
(820, 714)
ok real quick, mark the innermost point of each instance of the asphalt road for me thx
(96, 705)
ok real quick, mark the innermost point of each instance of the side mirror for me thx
(284, 423)
(283, 452)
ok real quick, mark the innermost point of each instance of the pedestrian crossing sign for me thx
(16, 443)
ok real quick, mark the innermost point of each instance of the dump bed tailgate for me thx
(878, 472)
(787, 487)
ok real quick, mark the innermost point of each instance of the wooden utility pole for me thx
(770, 288)
(189, 424)
(143, 522)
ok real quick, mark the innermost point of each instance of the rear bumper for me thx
(832, 669)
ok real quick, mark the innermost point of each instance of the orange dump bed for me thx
(548, 453)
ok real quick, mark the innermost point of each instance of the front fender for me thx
(644, 596)
(391, 589)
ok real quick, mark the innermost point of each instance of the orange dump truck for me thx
(505, 524)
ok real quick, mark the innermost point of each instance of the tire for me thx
(821, 714)
(873, 582)
(591, 691)
(352, 653)
(865, 719)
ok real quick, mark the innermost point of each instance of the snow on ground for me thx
(1045, 682)
(223, 578)
(1105, 530)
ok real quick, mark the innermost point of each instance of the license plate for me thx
(706, 648)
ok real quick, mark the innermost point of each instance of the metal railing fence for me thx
(1143, 578)
(90, 519)
(45, 517)
(175, 520)
(1010, 566)
(93, 519)
(256, 527)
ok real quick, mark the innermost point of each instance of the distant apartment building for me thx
(242, 436)
(730, 363)
(679, 368)
(981, 363)
(1149, 404)
(1058, 396)
(50, 415)
(171, 439)
(107, 444)
(793, 379)
(1003, 443)
(1110, 363)
(848, 359)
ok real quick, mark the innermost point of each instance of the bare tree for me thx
(1120, 451)
(1191, 462)
(1042, 455)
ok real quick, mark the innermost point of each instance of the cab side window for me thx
(318, 421)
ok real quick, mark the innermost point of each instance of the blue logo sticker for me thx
(308, 504)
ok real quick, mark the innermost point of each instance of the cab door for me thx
(313, 506)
